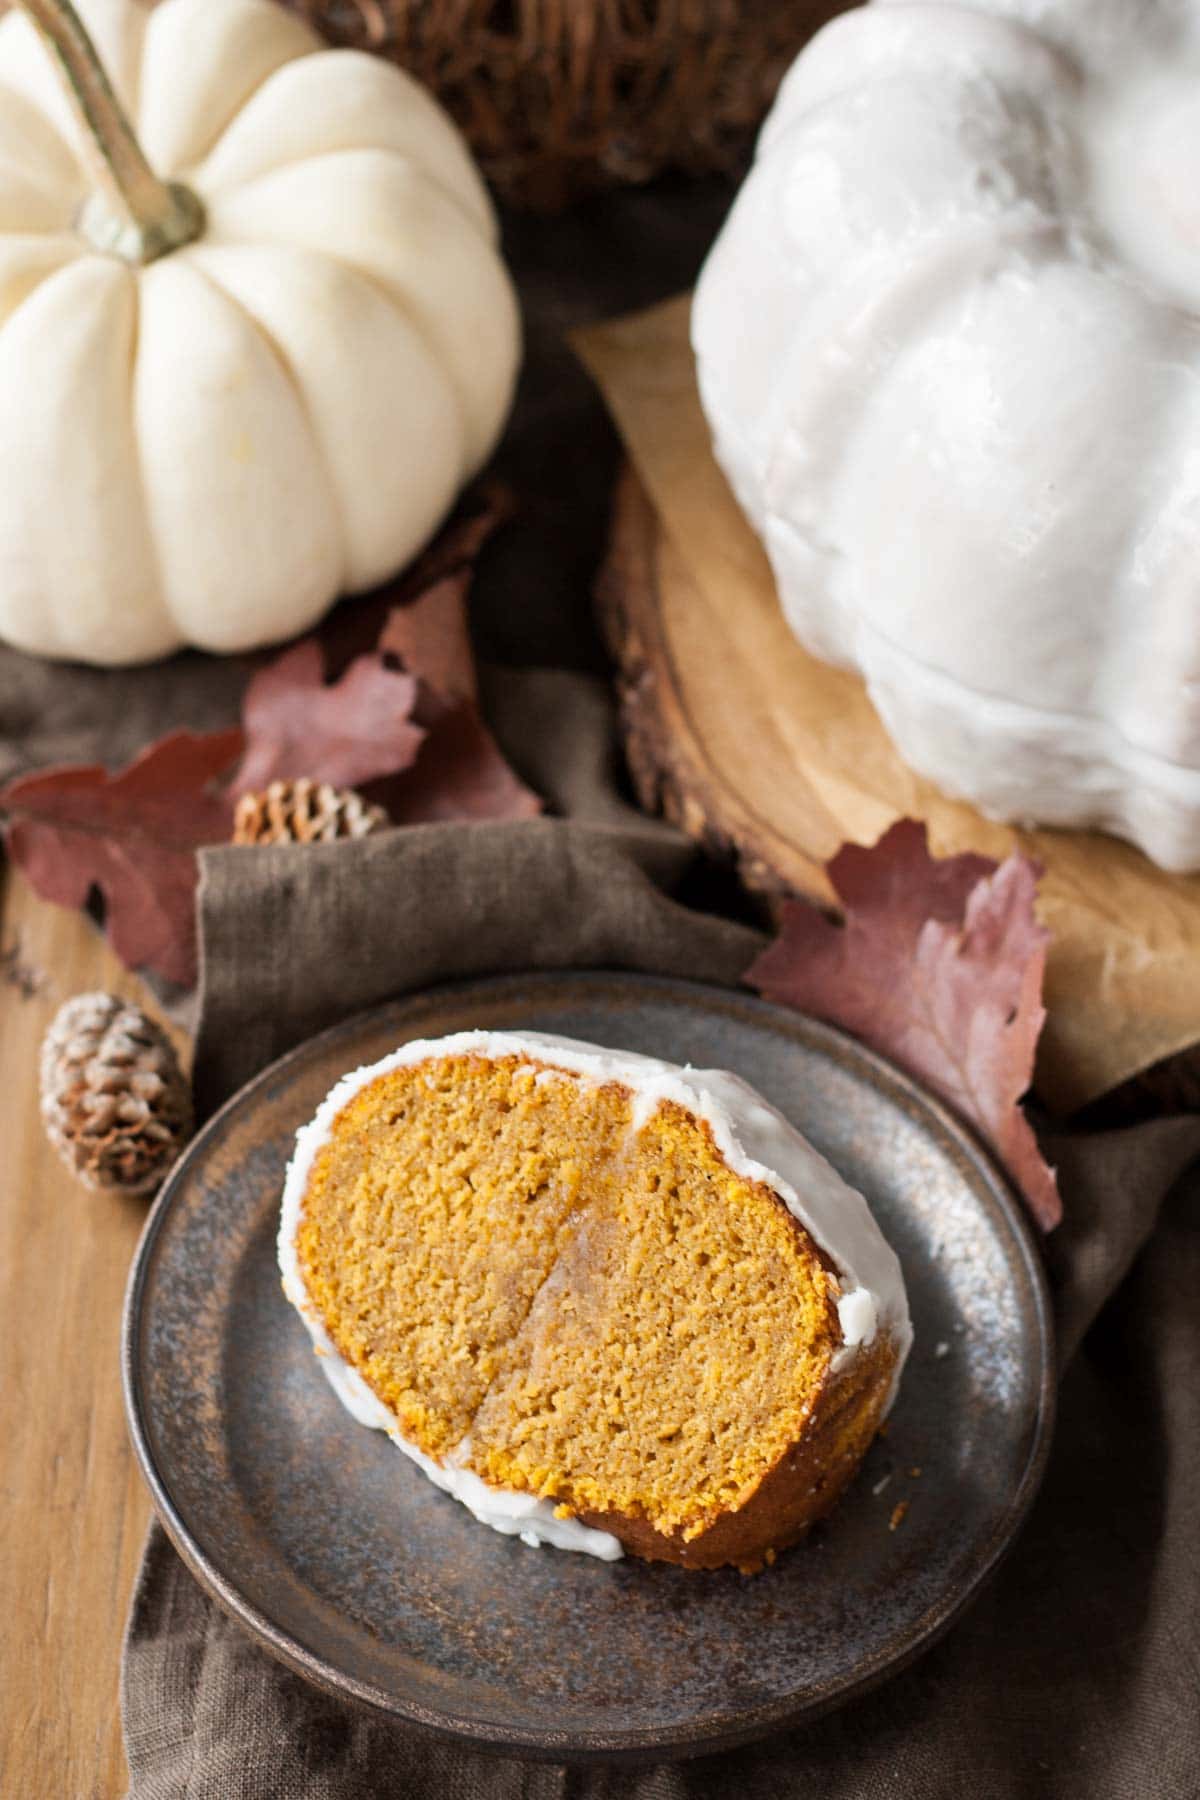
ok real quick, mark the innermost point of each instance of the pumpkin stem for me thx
(135, 216)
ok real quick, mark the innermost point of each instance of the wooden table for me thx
(75, 1511)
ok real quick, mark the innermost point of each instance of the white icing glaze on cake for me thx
(949, 346)
(755, 1141)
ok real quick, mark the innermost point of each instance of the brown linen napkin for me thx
(1074, 1674)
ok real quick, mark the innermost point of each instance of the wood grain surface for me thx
(707, 764)
(75, 1510)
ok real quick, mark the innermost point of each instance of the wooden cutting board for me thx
(698, 746)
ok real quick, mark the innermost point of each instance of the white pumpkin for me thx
(949, 346)
(209, 447)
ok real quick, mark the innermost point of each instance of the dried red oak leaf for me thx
(460, 775)
(461, 539)
(345, 732)
(939, 965)
(352, 628)
(410, 737)
(134, 836)
(431, 638)
(461, 772)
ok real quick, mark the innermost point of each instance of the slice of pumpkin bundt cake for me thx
(608, 1303)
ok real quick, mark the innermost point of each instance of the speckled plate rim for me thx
(635, 1746)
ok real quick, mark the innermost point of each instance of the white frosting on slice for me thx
(755, 1141)
(504, 1509)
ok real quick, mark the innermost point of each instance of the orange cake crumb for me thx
(580, 1306)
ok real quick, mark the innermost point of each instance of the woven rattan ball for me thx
(557, 96)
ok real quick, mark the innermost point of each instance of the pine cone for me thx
(115, 1103)
(304, 812)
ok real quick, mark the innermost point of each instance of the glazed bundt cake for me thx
(608, 1303)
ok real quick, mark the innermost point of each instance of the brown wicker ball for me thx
(557, 96)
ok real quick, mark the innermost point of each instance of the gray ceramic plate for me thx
(339, 1556)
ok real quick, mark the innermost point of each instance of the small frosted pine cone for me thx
(115, 1103)
(304, 812)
